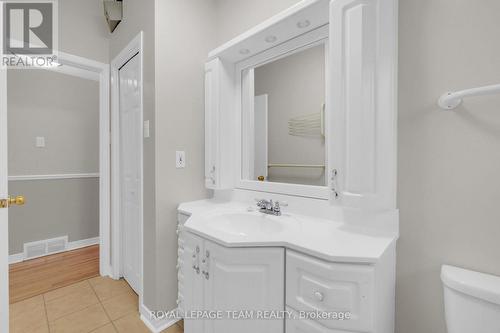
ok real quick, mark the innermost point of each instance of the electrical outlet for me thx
(180, 159)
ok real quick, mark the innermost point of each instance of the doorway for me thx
(74, 67)
(53, 140)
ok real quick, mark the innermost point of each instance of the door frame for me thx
(94, 70)
(87, 69)
(4, 213)
(134, 48)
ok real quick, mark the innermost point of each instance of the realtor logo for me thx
(29, 33)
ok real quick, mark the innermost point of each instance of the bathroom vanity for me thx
(234, 259)
(300, 109)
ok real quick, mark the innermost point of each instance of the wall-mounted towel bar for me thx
(452, 100)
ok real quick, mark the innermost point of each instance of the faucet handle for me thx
(261, 203)
(277, 207)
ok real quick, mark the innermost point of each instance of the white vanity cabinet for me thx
(363, 76)
(360, 102)
(231, 279)
(212, 112)
(314, 285)
(218, 126)
(347, 293)
(346, 135)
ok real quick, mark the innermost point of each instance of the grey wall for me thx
(83, 30)
(449, 186)
(185, 35)
(295, 86)
(65, 110)
(140, 15)
(177, 38)
(54, 208)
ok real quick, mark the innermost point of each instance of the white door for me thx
(243, 279)
(131, 170)
(4, 219)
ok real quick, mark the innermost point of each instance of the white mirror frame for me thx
(245, 96)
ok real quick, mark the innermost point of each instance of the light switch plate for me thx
(180, 159)
(40, 142)
(146, 129)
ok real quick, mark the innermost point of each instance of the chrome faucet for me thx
(270, 207)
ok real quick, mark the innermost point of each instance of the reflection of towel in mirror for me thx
(312, 124)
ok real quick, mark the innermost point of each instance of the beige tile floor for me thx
(98, 305)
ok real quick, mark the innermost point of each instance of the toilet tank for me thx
(472, 301)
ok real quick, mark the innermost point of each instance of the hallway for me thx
(63, 293)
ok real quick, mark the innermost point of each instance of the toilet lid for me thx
(479, 285)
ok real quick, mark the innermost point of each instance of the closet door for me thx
(363, 103)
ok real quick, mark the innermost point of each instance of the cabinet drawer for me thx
(306, 326)
(316, 285)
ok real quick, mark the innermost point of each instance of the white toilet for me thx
(472, 301)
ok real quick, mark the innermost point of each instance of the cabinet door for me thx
(212, 114)
(244, 280)
(316, 285)
(192, 284)
(363, 102)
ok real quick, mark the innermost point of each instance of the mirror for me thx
(285, 126)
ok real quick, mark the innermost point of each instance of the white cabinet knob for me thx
(319, 296)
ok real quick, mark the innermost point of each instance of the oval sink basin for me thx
(245, 224)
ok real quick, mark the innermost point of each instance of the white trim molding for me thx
(15, 258)
(4, 213)
(54, 176)
(158, 325)
(75, 245)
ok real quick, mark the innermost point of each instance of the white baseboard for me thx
(82, 243)
(19, 257)
(15, 258)
(155, 326)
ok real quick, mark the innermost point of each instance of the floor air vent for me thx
(45, 247)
